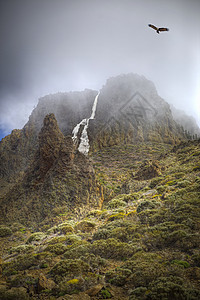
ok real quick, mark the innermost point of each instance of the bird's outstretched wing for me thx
(163, 29)
(152, 26)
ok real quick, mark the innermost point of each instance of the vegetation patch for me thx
(5, 231)
(35, 237)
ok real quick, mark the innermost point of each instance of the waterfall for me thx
(84, 140)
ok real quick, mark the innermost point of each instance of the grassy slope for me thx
(143, 244)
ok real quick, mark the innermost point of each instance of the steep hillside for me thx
(128, 110)
(121, 222)
(58, 178)
(142, 244)
(17, 150)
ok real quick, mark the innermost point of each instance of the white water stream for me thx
(84, 145)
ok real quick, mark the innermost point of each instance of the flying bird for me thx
(157, 28)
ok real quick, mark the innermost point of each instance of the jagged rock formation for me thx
(41, 168)
(60, 239)
(129, 110)
(58, 177)
(17, 150)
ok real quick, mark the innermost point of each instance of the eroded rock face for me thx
(59, 176)
(129, 110)
(41, 169)
(18, 149)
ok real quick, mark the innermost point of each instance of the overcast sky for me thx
(48, 46)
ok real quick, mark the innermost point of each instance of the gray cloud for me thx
(49, 46)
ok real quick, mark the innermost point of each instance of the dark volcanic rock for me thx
(59, 177)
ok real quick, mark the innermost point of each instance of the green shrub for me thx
(171, 182)
(139, 293)
(14, 294)
(77, 250)
(5, 231)
(147, 204)
(112, 248)
(183, 263)
(22, 262)
(171, 288)
(183, 183)
(118, 277)
(123, 230)
(65, 228)
(179, 175)
(94, 213)
(85, 226)
(72, 286)
(116, 216)
(72, 238)
(155, 181)
(102, 234)
(161, 189)
(56, 248)
(56, 240)
(116, 203)
(22, 249)
(196, 168)
(69, 267)
(95, 261)
(22, 280)
(105, 294)
(37, 236)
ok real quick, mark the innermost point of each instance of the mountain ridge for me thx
(128, 111)
(119, 223)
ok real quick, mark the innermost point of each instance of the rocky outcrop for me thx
(18, 149)
(129, 110)
(58, 177)
(41, 168)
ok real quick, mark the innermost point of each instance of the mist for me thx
(58, 46)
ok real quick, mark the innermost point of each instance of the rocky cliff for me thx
(119, 223)
(58, 178)
(41, 169)
(129, 111)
